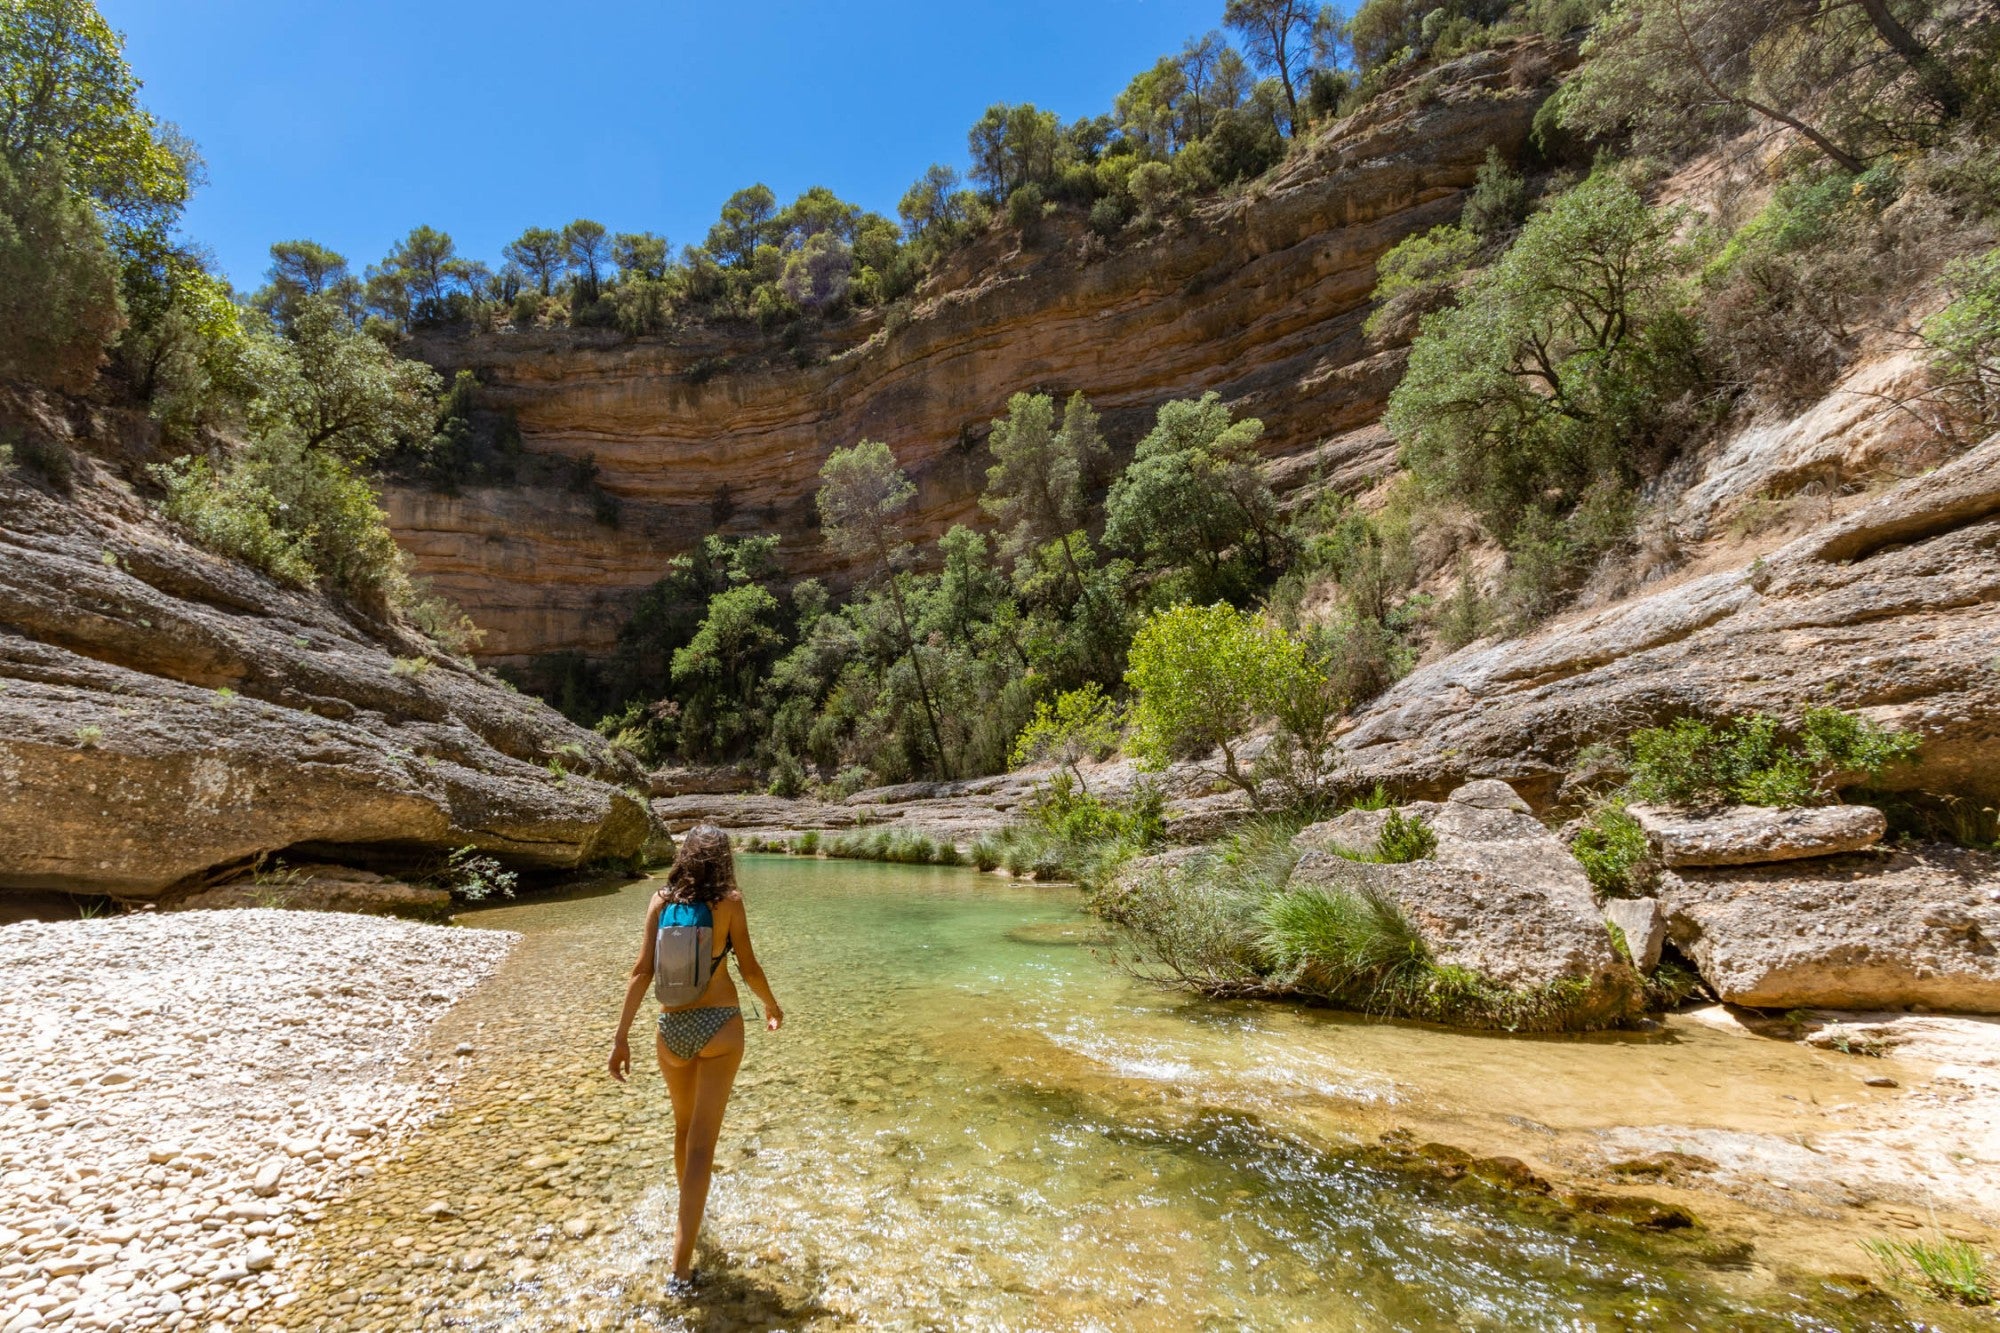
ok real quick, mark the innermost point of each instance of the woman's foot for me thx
(683, 1285)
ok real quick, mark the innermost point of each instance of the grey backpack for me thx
(683, 954)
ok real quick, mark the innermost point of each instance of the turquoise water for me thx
(971, 1121)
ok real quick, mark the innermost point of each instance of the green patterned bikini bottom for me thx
(686, 1031)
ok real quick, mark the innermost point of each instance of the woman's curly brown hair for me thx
(704, 870)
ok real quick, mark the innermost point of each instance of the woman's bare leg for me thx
(700, 1091)
(680, 1078)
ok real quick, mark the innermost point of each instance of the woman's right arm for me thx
(620, 1063)
(753, 974)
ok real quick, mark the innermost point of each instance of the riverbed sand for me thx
(180, 1092)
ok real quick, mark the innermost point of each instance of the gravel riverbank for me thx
(179, 1093)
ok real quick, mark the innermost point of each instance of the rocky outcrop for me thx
(713, 780)
(1259, 296)
(168, 717)
(1501, 898)
(1880, 930)
(1893, 610)
(323, 888)
(1753, 834)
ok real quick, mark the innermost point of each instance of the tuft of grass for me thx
(410, 666)
(899, 846)
(1377, 799)
(1614, 852)
(1337, 941)
(1949, 1268)
(87, 737)
(807, 843)
(1404, 839)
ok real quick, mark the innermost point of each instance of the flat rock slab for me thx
(325, 889)
(1881, 930)
(1755, 835)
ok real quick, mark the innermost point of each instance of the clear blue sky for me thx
(351, 122)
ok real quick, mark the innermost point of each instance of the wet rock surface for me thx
(1754, 834)
(1886, 929)
(181, 1093)
(165, 713)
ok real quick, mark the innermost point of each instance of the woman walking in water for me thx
(692, 926)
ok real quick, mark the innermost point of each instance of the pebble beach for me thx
(181, 1093)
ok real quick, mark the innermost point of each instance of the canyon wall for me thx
(170, 718)
(1258, 295)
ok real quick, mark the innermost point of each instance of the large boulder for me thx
(1754, 834)
(166, 715)
(1880, 930)
(1501, 898)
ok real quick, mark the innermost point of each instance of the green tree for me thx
(932, 206)
(1203, 64)
(1081, 724)
(862, 497)
(588, 249)
(1148, 110)
(1195, 500)
(1850, 77)
(539, 253)
(300, 269)
(1038, 486)
(59, 302)
(69, 102)
(745, 224)
(1547, 378)
(719, 670)
(1202, 677)
(1013, 146)
(1963, 340)
(1283, 37)
(816, 274)
(640, 254)
(338, 391)
(413, 283)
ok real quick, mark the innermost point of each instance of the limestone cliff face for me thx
(1259, 297)
(168, 717)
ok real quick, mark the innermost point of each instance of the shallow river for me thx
(971, 1121)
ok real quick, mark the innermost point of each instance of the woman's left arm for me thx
(753, 973)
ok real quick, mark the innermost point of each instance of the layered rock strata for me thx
(1893, 610)
(1754, 834)
(1259, 296)
(1880, 930)
(168, 717)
